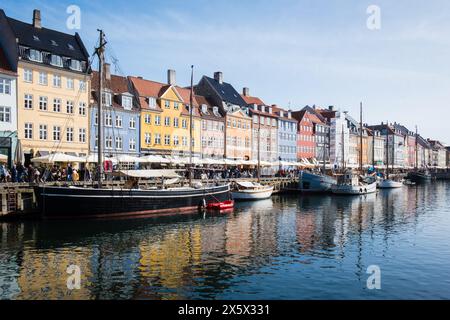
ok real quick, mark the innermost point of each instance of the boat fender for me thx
(361, 190)
(202, 205)
(365, 190)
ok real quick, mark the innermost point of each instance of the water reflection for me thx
(301, 238)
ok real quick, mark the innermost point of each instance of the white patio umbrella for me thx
(93, 158)
(154, 159)
(57, 157)
(3, 158)
(126, 159)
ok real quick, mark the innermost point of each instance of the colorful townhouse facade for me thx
(212, 131)
(52, 87)
(287, 135)
(165, 118)
(438, 154)
(395, 143)
(264, 128)
(376, 148)
(306, 140)
(339, 136)
(8, 109)
(238, 124)
(423, 152)
(120, 116)
(448, 156)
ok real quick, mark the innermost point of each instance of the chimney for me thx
(218, 76)
(290, 114)
(171, 77)
(107, 69)
(37, 22)
(331, 108)
(281, 113)
(246, 92)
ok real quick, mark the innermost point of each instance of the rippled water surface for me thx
(290, 247)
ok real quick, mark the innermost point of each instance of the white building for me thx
(8, 109)
(339, 140)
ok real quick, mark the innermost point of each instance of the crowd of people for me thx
(18, 173)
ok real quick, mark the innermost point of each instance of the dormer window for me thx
(152, 102)
(36, 38)
(204, 109)
(54, 43)
(127, 102)
(56, 60)
(107, 99)
(75, 65)
(35, 55)
(70, 47)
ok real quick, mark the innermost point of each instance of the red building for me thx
(306, 140)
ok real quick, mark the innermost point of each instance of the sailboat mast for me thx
(361, 138)
(101, 57)
(343, 150)
(417, 150)
(259, 150)
(387, 150)
(191, 103)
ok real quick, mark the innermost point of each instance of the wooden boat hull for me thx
(354, 190)
(252, 195)
(66, 202)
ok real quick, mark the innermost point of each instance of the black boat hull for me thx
(66, 202)
(419, 177)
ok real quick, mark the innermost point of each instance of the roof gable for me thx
(226, 92)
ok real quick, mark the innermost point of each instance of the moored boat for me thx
(350, 184)
(247, 191)
(389, 184)
(419, 176)
(311, 182)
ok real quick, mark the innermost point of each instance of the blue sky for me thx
(287, 52)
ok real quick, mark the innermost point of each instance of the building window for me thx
(176, 141)
(167, 140)
(69, 107)
(176, 122)
(132, 123)
(56, 105)
(82, 86)
(152, 102)
(167, 121)
(185, 141)
(28, 75)
(28, 101)
(157, 139)
(5, 86)
(167, 104)
(118, 122)
(127, 102)
(184, 123)
(176, 106)
(43, 78)
(43, 132)
(28, 131)
(108, 143)
(148, 138)
(158, 120)
(75, 65)
(119, 143)
(56, 133)
(43, 102)
(69, 134)
(132, 144)
(107, 99)
(5, 114)
(148, 119)
(108, 120)
(56, 61)
(35, 55)
(57, 81)
(96, 119)
(82, 108)
(82, 135)
(70, 84)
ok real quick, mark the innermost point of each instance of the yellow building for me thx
(53, 88)
(165, 118)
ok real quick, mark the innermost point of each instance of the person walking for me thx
(69, 172)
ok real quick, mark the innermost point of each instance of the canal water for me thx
(289, 247)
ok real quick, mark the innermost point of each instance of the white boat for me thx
(389, 184)
(247, 191)
(350, 184)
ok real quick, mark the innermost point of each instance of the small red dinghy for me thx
(221, 205)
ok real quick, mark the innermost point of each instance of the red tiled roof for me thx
(252, 100)
(147, 88)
